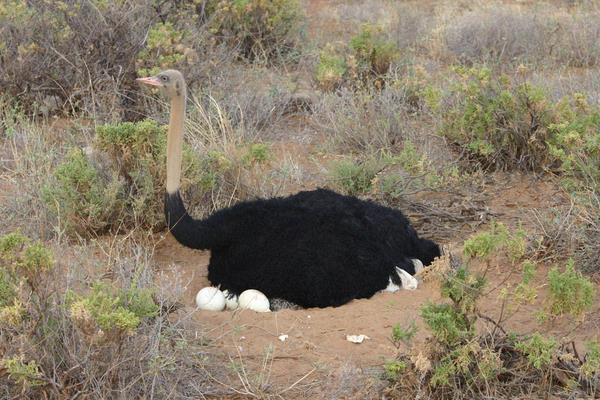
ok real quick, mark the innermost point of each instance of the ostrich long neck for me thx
(175, 140)
(196, 234)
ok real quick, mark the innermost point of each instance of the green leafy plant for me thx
(115, 312)
(539, 350)
(7, 289)
(525, 292)
(393, 369)
(591, 366)
(20, 256)
(453, 323)
(405, 335)
(124, 177)
(365, 60)
(331, 69)
(24, 374)
(23, 264)
(498, 237)
(570, 292)
(256, 153)
(446, 323)
(12, 315)
(575, 141)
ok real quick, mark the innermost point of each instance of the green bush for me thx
(7, 289)
(371, 51)
(124, 187)
(11, 244)
(355, 178)
(19, 255)
(400, 334)
(393, 369)
(504, 125)
(525, 292)
(469, 362)
(115, 312)
(257, 153)
(261, 30)
(498, 237)
(570, 292)
(493, 363)
(330, 70)
(499, 124)
(446, 323)
(24, 265)
(364, 61)
(575, 141)
(80, 197)
(454, 323)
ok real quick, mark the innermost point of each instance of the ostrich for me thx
(315, 248)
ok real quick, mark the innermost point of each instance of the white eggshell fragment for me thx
(231, 300)
(357, 338)
(211, 299)
(252, 299)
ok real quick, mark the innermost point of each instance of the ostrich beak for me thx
(151, 80)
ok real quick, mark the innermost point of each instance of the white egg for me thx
(254, 300)
(231, 300)
(211, 299)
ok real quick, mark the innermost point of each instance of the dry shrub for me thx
(503, 34)
(411, 26)
(498, 35)
(73, 55)
(260, 30)
(235, 167)
(365, 121)
(56, 350)
(573, 231)
(255, 99)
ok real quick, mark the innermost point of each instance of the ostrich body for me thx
(315, 248)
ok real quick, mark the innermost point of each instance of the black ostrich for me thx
(315, 249)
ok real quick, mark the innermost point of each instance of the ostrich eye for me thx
(164, 78)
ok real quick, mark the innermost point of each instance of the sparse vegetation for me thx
(484, 244)
(363, 63)
(570, 292)
(421, 107)
(463, 360)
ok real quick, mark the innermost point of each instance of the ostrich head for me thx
(170, 82)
